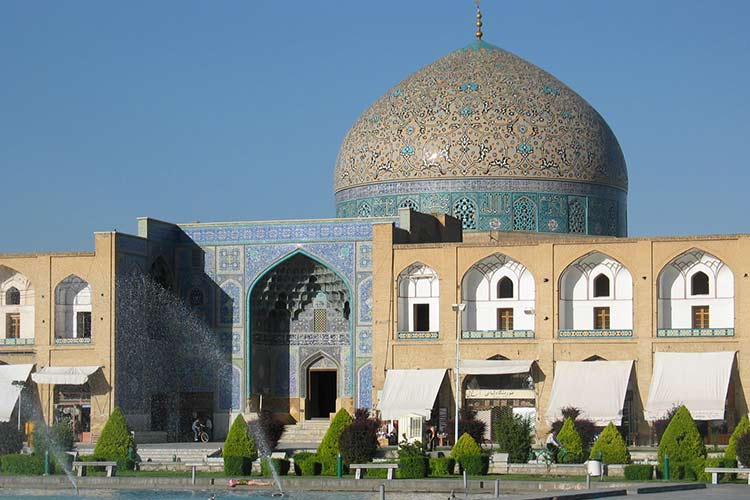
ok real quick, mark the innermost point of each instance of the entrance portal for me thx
(322, 393)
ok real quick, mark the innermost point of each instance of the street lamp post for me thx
(458, 308)
(21, 386)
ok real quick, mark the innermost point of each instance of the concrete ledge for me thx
(645, 490)
(583, 495)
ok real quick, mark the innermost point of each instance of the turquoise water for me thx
(179, 495)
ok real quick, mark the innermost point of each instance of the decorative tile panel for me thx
(364, 341)
(364, 256)
(364, 386)
(230, 303)
(69, 341)
(497, 334)
(364, 301)
(564, 334)
(695, 332)
(230, 260)
(29, 341)
(417, 335)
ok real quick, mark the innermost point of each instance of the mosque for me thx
(480, 235)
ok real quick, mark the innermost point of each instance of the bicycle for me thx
(202, 434)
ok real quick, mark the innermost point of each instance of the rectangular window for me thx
(320, 320)
(13, 326)
(601, 318)
(505, 319)
(421, 317)
(700, 317)
(83, 320)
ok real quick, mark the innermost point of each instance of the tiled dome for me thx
(478, 115)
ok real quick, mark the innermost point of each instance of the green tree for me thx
(612, 447)
(683, 444)
(329, 447)
(741, 428)
(513, 435)
(465, 446)
(239, 449)
(116, 441)
(571, 441)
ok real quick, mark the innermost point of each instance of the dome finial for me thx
(479, 21)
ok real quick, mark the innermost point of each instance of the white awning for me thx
(64, 375)
(597, 388)
(8, 390)
(409, 391)
(494, 367)
(698, 380)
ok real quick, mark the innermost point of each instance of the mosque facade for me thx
(480, 181)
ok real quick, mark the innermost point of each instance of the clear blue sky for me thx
(235, 110)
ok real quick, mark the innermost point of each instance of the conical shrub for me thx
(571, 443)
(742, 427)
(612, 447)
(239, 449)
(329, 448)
(116, 441)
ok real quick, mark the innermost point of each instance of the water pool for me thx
(21, 494)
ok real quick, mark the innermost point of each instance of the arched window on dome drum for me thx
(12, 297)
(505, 288)
(601, 286)
(699, 284)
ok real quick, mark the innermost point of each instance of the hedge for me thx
(116, 441)
(306, 464)
(442, 466)
(475, 465)
(742, 427)
(570, 440)
(411, 467)
(329, 447)
(280, 464)
(639, 472)
(17, 464)
(612, 447)
(684, 446)
(380, 473)
(239, 449)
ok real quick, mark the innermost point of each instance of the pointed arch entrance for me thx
(299, 330)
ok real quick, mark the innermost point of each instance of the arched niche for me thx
(584, 306)
(16, 305)
(73, 308)
(695, 287)
(418, 299)
(499, 292)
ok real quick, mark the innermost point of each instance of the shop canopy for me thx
(9, 390)
(494, 367)
(409, 392)
(64, 375)
(597, 388)
(698, 380)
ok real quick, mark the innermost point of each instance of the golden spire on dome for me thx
(479, 21)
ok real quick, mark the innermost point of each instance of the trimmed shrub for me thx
(413, 467)
(570, 440)
(442, 466)
(683, 444)
(280, 464)
(116, 441)
(329, 448)
(742, 447)
(380, 473)
(513, 435)
(465, 446)
(359, 442)
(660, 424)
(239, 449)
(639, 472)
(742, 427)
(306, 463)
(11, 440)
(17, 464)
(468, 424)
(268, 427)
(612, 447)
(586, 428)
(475, 465)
